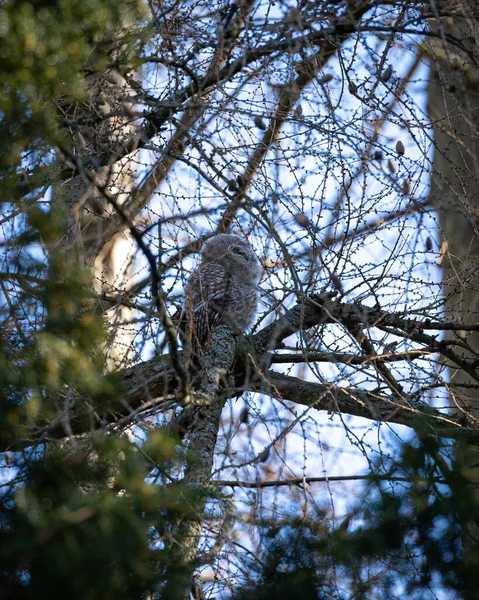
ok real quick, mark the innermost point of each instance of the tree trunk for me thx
(453, 107)
(99, 129)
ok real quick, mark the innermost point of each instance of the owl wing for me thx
(207, 298)
(207, 316)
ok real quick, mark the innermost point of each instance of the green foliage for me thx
(54, 358)
(52, 347)
(96, 518)
(429, 519)
(45, 49)
(82, 519)
(401, 539)
(85, 523)
(296, 563)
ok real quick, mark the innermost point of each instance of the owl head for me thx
(235, 254)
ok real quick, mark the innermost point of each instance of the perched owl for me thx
(222, 289)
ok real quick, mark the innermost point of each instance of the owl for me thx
(223, 289)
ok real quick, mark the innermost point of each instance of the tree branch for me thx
(146, 385)
(362, 403)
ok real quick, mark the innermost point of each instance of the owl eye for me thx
(237, 250)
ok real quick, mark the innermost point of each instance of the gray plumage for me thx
(222, 289)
